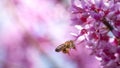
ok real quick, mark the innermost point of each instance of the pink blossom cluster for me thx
(98, 21)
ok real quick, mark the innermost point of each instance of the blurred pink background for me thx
(30, 30)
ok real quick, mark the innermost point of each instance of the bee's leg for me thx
(66, 51)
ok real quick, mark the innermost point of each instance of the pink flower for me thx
(100, 18)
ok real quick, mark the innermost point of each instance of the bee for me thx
(65, 47)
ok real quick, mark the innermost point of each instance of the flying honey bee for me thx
(65, 47)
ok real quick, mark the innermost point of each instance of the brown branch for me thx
(107, 24)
